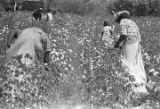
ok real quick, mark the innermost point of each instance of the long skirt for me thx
(132, 62)
(108, 41)
(29, 46)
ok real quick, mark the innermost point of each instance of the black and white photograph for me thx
(79, 54)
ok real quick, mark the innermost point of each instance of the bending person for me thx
(33, 44)
(131, 57)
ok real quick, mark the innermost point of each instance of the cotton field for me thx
(83, 74)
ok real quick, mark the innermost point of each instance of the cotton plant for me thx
(24, 84)
(102, 79)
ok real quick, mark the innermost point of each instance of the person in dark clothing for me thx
(38, 14)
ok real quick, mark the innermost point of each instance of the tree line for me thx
(85, 7)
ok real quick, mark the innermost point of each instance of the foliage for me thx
(138, 7)
(82, 69)
(74, 6)
(84, 7)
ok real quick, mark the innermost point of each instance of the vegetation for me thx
(103, 7)
(94, 7)
(82, 71)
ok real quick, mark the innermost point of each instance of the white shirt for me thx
(107, 33)
(49, 15)
(129, 27)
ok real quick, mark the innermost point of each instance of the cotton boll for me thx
(157, 89)
(151, 85)
(155, 73)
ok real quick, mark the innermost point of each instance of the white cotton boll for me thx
(158, 59)
(59, 31)
(157, 89)
(118, 36)
(54, 40)
(45, 64)
(56, 59)
(57, 53)
(66, 31)
(20, 78)
(83, 76)
(62, 57)
(155, 73)
(53, 44)
(147, 56)
(52, 52)
(80, 41)
(72, 68)
(150, 85)
(151, 70)
(70, 50)
(64, 63)
(66, 68)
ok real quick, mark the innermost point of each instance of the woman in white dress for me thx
(49, 15)
(131, 57)
(33, 44)
(107, 32)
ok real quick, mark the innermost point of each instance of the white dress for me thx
(106, 37)
(131, 57)
(49, 16)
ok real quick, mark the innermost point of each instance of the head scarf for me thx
(118, 14)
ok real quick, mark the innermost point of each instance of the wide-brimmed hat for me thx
(118, 14)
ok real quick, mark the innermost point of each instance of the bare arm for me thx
(47, 57)
(102, 34)
(47, 50)
(13, 36)
(122, 37)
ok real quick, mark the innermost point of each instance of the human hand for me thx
(116, 46)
